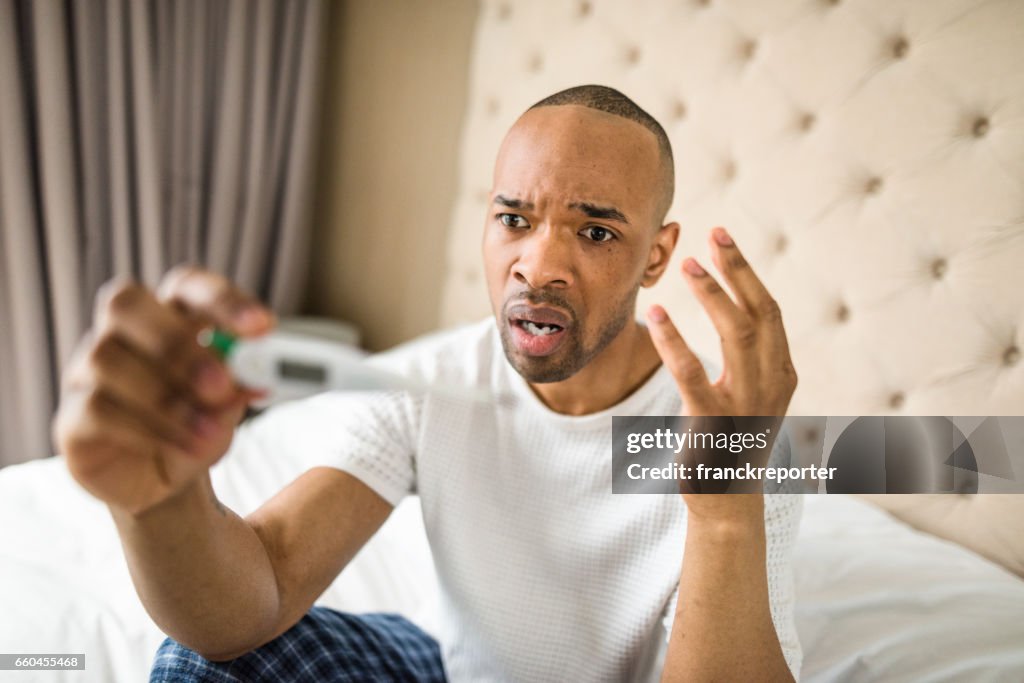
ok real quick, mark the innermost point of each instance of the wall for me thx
(396, 88)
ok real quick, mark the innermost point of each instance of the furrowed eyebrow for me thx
(512, 203)
(608, 213)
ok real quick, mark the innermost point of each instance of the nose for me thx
(545, 259)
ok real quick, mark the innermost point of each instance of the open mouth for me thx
(537, 331)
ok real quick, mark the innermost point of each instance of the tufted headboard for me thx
(868, 155)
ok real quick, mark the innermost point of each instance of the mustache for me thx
(539, 297)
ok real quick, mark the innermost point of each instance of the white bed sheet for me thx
(880, 601)
(876, 600)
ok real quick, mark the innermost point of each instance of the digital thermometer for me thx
(289, 366)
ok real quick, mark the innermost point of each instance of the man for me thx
(545, 574)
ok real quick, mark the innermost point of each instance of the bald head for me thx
(611, 101)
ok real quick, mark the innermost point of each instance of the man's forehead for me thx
(579, 124)
(576, 153)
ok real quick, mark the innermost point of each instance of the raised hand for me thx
(758, 378)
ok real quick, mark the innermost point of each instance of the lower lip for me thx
(536, 345)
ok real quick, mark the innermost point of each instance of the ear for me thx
(661, 252)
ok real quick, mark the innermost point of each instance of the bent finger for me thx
(755, 299)
(737, 331)
(751, 294)
(682, 362)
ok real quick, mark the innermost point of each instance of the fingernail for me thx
(204, 425)
(656, 314)
(250, 316)
(722, 237)
(693, 268)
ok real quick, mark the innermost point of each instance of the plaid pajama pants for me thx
(326, 646)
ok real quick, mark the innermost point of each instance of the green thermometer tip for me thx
(218, 341)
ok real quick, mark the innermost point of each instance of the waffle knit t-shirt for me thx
(545, 575)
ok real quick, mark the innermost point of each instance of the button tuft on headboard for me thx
(781, 243)
(980, 127)
(678, 110)
(729, 170)
(900, 47)
(748, 48)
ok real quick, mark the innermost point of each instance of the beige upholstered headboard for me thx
(868, 155)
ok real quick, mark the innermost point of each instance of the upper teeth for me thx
(533, 328)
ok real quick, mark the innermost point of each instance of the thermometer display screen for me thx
(302, 372)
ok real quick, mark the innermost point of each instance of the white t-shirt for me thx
(545, 575)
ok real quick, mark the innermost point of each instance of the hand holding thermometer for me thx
(290, 366)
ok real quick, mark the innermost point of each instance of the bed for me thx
(876, 599)
(889, 133)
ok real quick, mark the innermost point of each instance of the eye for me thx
(596, 233)
(511, 220)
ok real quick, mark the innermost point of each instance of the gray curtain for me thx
(135, 135)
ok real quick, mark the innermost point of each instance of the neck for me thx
(615, 373)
